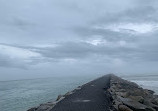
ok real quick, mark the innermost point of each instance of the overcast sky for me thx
(43, 38)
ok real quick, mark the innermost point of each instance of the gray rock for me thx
(59, 97)
(148, 103)
(137, 98)
(123, 90)
(155, 101)
(116, 104)
(68, 93)
(151, 91)
(124, 108)
(122, 94)
(32, 109)
(136, 106)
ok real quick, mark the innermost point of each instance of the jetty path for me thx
(91, 97)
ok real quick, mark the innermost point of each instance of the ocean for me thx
(20, 95)
(145, 81)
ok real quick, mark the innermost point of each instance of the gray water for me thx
(22, 94)
(145, 81)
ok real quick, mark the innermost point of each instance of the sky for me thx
(46, 38)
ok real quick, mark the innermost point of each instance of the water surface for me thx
(20, 95)
(145, 81)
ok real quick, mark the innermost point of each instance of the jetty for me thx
(107, 93)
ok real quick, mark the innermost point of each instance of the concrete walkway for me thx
(91, 97)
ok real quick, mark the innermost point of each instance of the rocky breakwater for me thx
(128, 96)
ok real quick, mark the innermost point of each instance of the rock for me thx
(112, 89)
(124, 108)
(137, 92)
(136, 106)
(114, 82)
(150, 91)
(137, 98)
(132, 95)
(114, 97)
(116, 104)
(43, 108)
(59, 97)
(32, 109)
(109, 89)
(122, 90)
(68, 93)
(148, 103)
(122, 94)
(155, 101)
(50, 104)
(78, 88)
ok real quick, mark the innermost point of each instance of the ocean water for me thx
(145, 81)
(20, 95)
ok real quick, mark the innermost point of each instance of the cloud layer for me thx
(98, 36)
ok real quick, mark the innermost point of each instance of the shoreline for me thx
(117, 95)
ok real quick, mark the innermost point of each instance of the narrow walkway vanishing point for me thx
(91, 97)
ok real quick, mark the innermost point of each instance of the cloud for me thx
(78, 35)
(96, 50)
(137, 14)
(11, 56)
(137, 20)
(131, 28)
(62, 52)
(82, 50)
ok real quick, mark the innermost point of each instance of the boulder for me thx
(59, 97)
(150, 91)
(155, 101)
(148, 103)
(116, 104)
(134, 105)
(124, 108)
(122, 94)
(137, 92)
(132, 96)
(137, 98)
(32, 109)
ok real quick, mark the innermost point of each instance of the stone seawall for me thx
(128, 96)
